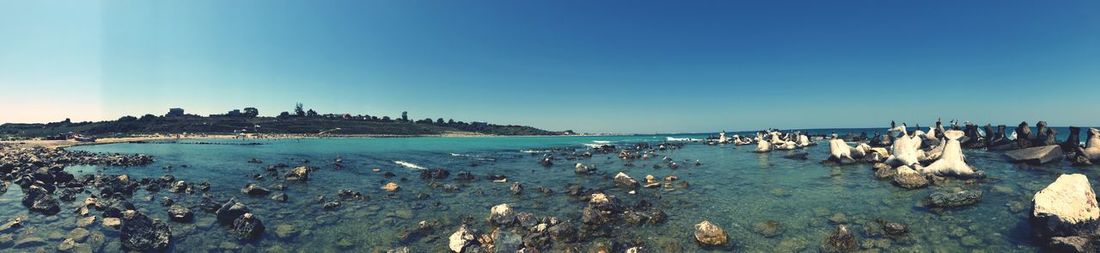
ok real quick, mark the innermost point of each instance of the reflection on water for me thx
(733, 187)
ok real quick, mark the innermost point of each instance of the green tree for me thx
(404, 116)
(299, 110)
(251, 112)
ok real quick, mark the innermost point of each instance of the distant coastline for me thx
(248, 123)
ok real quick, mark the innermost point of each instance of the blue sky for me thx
(593, 66)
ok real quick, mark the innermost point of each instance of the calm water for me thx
(733, 187)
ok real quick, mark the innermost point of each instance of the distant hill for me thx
(284, 124)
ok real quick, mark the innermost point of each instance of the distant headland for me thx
(247, 121)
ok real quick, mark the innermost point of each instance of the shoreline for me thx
(148, 138)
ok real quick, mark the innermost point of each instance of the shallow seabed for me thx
(732, 187)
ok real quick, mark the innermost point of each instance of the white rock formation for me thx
(803, 140)
(839, 149)
(951, 160)
(460, 239)
(1092, 145)
(904, 149)
(763, 146)
(1064, 207)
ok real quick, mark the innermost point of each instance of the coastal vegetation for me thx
(247, 120)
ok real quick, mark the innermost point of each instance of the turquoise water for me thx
(732, 187)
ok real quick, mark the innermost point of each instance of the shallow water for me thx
(733, 187)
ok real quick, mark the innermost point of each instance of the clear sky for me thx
(591, 66)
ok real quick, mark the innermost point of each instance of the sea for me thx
(800, 201)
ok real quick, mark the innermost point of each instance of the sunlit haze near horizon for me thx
(589, 66)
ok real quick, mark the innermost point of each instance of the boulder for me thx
(583, 169)
(37, 199)
(1036, 155)
(1070, 244)
(254, 190)
(710, 234)
(391, 187)
(884, 171)
(280, 197)
(140, 233)
(229, 211)
(954, 199)
(247, 226)
(461, 239)
(908, 178)
(300, 173)
(505, 241)
(625, 181)
(501, 215)
(1066, 207)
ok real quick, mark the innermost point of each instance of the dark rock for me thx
(300, 173)
(1075, 244)
(840, 240)
(280, 197)
(254, 190)
(1073, 141)
(39, 200)
(114, 207)
(434, 174)
(516, 188)
(141, 233)
(465, 176)
(179, 213)
(625, 181)
(563, 232)
(230, 211)
(797, 156)
(956, 199)
(247, 226)
(893, 228)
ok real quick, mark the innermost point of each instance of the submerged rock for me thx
(884, 171)
(1066, 207)
(769, 228)
(254, 190)
(841, 240)
(140, 233)
(1036, 155)
(279, 196)
(179, 213)
(955, 199)
(710, 234)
